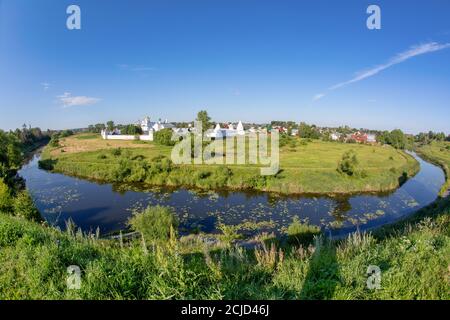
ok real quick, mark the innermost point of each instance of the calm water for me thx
(91, 205)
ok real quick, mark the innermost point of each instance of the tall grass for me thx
(413, 257)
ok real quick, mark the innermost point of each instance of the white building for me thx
(220, 133)
(162, 125)
(148, 129)
(371, 138)
(146, 124)
(335, 136)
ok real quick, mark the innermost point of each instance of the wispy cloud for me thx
(318, 96)
(68, 100)
(399, 58)
(127, 67)
(45, 85)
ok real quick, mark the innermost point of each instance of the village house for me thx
(362, 137)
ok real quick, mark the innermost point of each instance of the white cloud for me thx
(318, 96)
(127, 67)
(399, 58)
(45, 85)
(68, 100)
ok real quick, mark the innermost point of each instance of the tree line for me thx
(128, 129)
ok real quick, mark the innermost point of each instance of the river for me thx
(107, 206)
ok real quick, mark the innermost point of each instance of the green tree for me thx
(204, 118)
(131, 129)
(307, 131)
(99, 127)
(10, 155)
(397, 139)
(164, 137)
(110, 125)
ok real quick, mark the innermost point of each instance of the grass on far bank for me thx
(413, 256)
(439, 153)
(306, 166)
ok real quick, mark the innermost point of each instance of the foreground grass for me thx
(413, 256)
(306, 167)
(439, 153)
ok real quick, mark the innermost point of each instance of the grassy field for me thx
(439, 153)
(413, 257)
(306, 166)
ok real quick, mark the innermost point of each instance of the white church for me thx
(148, 129)
(147, 125)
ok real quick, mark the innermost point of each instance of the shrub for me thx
(164, 137)
(24, 207)
(301, 233)
(256, 181)
(348, 163)
(155, 223)
(10, 233)
(229, 233)
(363, 173)
(54, 142)
(160, 164)
(5, 197)
(123, 170)
(116, 152)
(139, 171)
(47, 164)
(222, 174)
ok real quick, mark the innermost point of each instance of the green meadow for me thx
(306, 166)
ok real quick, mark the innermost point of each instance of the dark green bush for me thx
(348, 164)
(164, 137)
(155, 223)
(47, 164)
(24, 207)
(123, 170)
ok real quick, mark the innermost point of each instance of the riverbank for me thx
(413, 257)
(439, 154)
(307, 166)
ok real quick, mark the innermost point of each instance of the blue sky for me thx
(249, 60)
